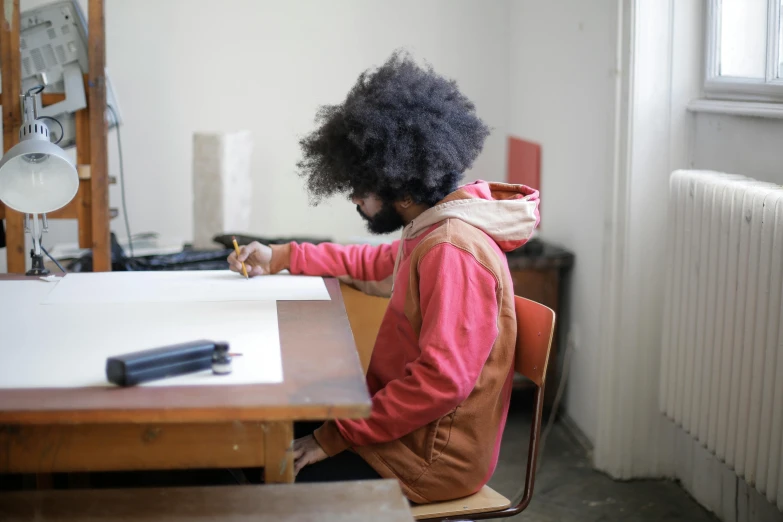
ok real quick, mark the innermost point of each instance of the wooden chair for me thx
(365, 313)
(535, 328)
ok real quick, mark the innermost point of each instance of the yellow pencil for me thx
(236, 249)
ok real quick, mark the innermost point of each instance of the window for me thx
(744, 50)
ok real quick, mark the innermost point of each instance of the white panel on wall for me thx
(221, 185)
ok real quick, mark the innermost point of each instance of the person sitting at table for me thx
(441, 370)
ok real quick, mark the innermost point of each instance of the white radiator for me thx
(722, 352)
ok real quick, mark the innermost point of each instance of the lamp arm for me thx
(37, 235)
(29, 109)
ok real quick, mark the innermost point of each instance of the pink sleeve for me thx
(355, 264)
(459, 327)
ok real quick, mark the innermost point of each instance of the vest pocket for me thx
(439, 436)
(429, 441)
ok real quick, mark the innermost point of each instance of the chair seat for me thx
(486, 500)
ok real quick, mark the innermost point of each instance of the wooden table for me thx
(376, 500)
(163, 428)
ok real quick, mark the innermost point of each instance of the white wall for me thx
(180, 66)
(751, 147)
(739, 145)
(630, 442)
(562, 96)
(703, 141)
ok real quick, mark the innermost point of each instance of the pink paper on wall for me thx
(524, 163)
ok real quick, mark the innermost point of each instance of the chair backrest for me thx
(365, 314)
(535, 328)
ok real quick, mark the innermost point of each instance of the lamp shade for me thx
(36, 177)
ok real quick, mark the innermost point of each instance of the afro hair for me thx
(402, 131)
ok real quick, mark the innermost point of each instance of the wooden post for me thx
(279, 459)
(99, 165)
(83, 156)
(10, 59)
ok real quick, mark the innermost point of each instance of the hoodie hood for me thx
(507, 213)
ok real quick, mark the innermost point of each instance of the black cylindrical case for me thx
(158, 363)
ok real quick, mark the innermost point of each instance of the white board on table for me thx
(187, 286)
(67, 346)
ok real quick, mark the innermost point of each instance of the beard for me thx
(385, 221)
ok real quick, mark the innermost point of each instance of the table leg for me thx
(278, 446)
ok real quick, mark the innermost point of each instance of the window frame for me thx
(768, 89)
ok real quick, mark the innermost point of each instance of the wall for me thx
(739, 145)
(630, 441)
(734, 144)
(751, 147)
(661, 66)
(562, 96)
(181, 66)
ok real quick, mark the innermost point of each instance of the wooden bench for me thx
(375, 500)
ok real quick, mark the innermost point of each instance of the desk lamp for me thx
(36, 177)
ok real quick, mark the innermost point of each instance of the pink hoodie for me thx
(442, 367)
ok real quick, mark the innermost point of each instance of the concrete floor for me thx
(568, 489)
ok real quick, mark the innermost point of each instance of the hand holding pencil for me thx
(238, 253)
(250, 260)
